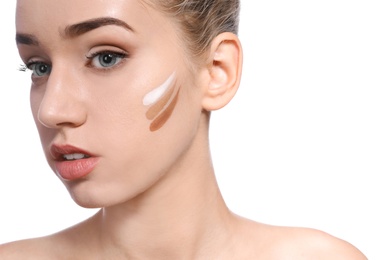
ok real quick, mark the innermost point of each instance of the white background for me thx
(304, 143)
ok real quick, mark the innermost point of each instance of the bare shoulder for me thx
(36, 248)
(275, 242)
(61, 245)
(311, 243)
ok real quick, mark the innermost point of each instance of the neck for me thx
(182, 217)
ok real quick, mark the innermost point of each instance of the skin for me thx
(157, 189)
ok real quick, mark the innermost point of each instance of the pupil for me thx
(107, 58)
(42, 68)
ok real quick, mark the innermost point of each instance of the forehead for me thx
(48, 16)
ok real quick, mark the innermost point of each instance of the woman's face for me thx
(113, 100)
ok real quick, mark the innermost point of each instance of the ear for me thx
(224, 71)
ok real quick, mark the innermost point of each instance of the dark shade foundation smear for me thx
(159, 121)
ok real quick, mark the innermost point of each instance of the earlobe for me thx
(224, 71)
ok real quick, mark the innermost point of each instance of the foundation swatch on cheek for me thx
(161, 101)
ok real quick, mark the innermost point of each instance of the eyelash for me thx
(23, 67)
(27, 66)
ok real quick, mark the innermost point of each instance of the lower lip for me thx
(72, 170)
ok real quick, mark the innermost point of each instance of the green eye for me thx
(39, 69)
(108, 60)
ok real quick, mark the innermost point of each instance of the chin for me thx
(88, 194)
(89, 197)
(88, 201)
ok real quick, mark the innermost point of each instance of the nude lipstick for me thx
(72, 163)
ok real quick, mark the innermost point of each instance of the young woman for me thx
(121, 94)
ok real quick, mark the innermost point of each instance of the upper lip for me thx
(58, 151)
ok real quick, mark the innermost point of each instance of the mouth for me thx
(72, 163)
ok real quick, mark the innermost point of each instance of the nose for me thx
(61, 100)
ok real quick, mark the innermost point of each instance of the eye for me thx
(39, 69)
(106, 59)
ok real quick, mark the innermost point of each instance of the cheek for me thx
(116, 114)
(35, 101)
(36, 97)
(113, 103)
(46, 135)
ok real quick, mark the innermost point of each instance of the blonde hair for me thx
(201, 20)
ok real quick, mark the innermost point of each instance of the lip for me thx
(76, 169)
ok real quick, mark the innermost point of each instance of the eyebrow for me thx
(75, 30)
(78, 29)
(27, 39)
